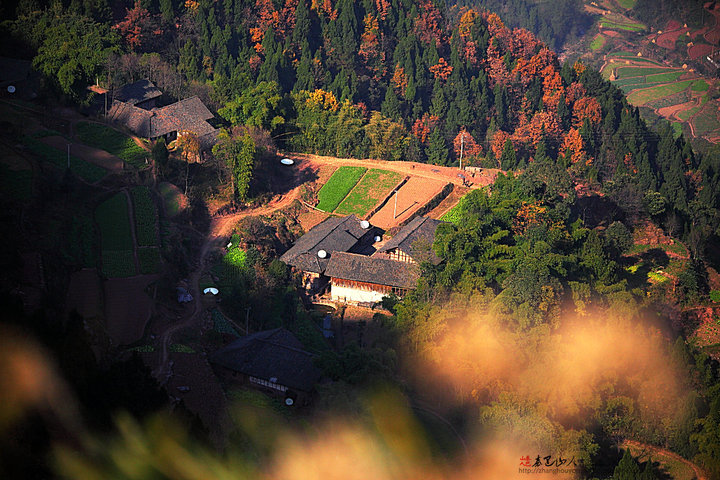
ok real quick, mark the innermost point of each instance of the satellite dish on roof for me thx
(378, 238)
(365, 224)
(322, 253)
(11, 88)
(212, 290)
(289, 401)
(287, 161)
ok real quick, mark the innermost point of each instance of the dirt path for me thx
(433, 172)
(220, 227)
(699, 473)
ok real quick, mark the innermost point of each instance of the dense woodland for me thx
(406, 80)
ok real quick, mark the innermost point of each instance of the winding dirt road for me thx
(650, 449)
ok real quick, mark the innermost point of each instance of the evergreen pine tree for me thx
(627, 468)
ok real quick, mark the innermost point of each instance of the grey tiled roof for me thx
(271, 354)
(138, 92)
(336, 234)
(377, 270)
(414, 237)
(188, 115)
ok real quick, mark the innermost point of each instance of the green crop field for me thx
(664, 77)
(145, 216)
(705, 121)
(118, 263)
(686, 114)
(631, 87)
(700, 86)
(632, 27)
(641, 97)
(80, 241)
(597, 43)
(112, 141)
(368, 192)
(87, 171)
(625, 72)
(338, 186)
(675, 99)
(454, 214)
(113, 218)
(627, 4)
(149, 259)
(622, 53)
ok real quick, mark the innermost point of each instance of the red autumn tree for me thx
(399, 80)
(369, 41)
(428, 23)
(498, 143)
(586, 107)
(423, 126)
(383, 8)
(441, 70)
(138, 27)
(552, 87)
(573, 143)
(465, 143)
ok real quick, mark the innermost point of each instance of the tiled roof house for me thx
(271, 360)
(170, 121)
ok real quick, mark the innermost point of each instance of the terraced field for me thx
(677, 94)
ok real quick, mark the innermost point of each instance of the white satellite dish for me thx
(378, 238)
(287, 161)
(212, 290)
(322, 254)
(11, 88)
(365, 224)
(289, 402)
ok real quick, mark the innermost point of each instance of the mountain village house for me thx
(134, 108)
(347, 255)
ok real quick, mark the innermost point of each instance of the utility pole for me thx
(247, 320)
(462, 144)
(68, 157)
(395, 210)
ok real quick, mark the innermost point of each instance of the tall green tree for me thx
(74, 51)
(237, 149)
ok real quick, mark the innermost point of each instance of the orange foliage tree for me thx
(573, 143)
(399, 80)
(465, 143)
(528, 214)
(423, 126)
(498, 143)
(441, 70)
(428, 23)
(552, 87)
(586, 107)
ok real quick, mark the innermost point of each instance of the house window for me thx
(265, 383)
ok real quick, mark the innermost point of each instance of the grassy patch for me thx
(677, 129)
(700, 86)
(145, 216)
(597, 43)
(454, 215)
(180, 348)
(118, 263)
(172, 198)
(627, 4)
(15, 184)
(105, 138)
(368, 192)
(656, 277)
(625, 72)
(705, 121)
(142, 349)
(114, 220)
(664, 77)
(641, 97)
(338, 186)
(631, 27)
(87, 171)
(149, 259)
(221, 324)
(685, 115)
